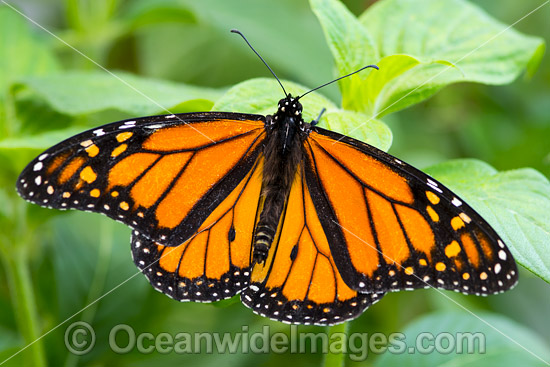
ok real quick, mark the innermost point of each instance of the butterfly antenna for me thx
(335, 80)
(261, 58)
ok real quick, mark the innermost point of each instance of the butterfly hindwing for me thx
(392, 227)
(299, 282)
(214, 263)
(161, 175)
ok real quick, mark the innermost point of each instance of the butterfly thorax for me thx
(283, 153)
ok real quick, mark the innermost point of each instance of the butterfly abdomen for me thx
(283, 154)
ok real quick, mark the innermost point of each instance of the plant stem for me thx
(337, 359)
(16, 265)
(16, 243)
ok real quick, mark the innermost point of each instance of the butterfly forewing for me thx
(392, 227)
(161, 175)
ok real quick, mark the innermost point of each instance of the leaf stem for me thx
(16, 265)
(332, 358)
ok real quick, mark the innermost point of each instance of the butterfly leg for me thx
(316, 121)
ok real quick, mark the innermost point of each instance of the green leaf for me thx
(21, 52)
(359, 126)
(350, 43)
(77, 93)
(516, 203)
(383, 87)
(38, 142)
(10, 343)
(453, 40)
(90, 256)
(506, 342)
(17, 152)
(260, 96)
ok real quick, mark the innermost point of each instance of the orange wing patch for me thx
(150, 187)
(70, 169)
(56, 162)
(299, 282)
(371, 172)
(205, 168)
(197, 135)
(214, 263)
(129, 168)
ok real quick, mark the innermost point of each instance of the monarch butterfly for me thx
(308, 225)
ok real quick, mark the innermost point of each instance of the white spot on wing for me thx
(155, 126)
(99, 132)
(456, 202)
(127, 125)
(38, 166)
(433, 185)
(431, 182)
(43, 156)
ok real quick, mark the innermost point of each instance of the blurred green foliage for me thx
(179, 55)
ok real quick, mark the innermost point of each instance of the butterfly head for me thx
(289, 107)
(287, 121)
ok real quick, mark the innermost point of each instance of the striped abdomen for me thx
(283, 154)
